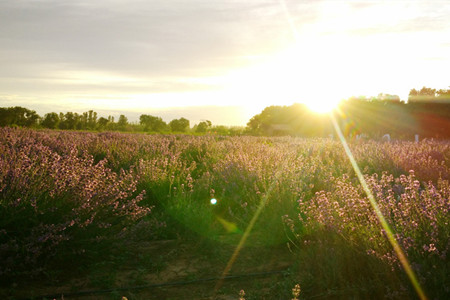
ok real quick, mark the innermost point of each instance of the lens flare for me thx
(213, 201)
(248, 230)
(389, 234)
(351, 127)
(404, 261)
(230, 227)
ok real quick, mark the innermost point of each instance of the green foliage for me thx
(203, 126)
(122, 123)
(152, 123)
(51, 120)
(18, 116)
(102, 123)
(428, 95)
(427, 113)
(179, 125)
(296, 119)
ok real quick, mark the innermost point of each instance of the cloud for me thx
(97, 50)
(52, 47)
(140, 38)
(154, 46)
(380, 17)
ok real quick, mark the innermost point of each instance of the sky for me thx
(218, 60)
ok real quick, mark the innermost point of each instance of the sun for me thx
(318, 71)
(294, 75)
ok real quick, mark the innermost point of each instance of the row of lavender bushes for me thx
(66, 195)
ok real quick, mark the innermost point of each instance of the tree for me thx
(296, 119)
(111, 125)
(92, 120)
(203, 126)
(179, 125)
(69, 120)
(427, 92)
(18, 116)
(255, 125)
(220, 130)
(122, 123)
(31, 118)
(388, 98)
(102, 123)
(51, 120)
(270, 117)
(152, 123)
(444, 94)
(424, 94)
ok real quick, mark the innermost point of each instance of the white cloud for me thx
(199, 52)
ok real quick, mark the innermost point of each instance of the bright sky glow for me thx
(175, 58)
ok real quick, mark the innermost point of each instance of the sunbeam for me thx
(247, 231)
(398, 250)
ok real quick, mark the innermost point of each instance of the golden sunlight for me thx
(322, 105)
(320, 71)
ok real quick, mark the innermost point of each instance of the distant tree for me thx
(296, 119)
(424, 94)
(31, 118)
(413, 92)
(427, 92)
(111, 125)
(4, 116)
(255, 124)
(51, 120)
(220, 130)
(122, 123)
(83, 121)
(18, 116)
(236, 130)
(179, 125)
(388, 98)
(92, 120)
(102, 123)
(444, 94)
(203, 126)
(263, 123)
(62, 121)
(152, 123)
(69, 120)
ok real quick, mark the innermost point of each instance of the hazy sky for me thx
(183, 58)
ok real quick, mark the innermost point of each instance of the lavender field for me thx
(68, 199)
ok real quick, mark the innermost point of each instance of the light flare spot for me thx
(213, 201)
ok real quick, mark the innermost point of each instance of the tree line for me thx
(23, 117)
(426, 113)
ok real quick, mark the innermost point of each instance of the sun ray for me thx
(248, 230)
(389, 234)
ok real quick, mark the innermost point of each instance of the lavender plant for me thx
(62, 192)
